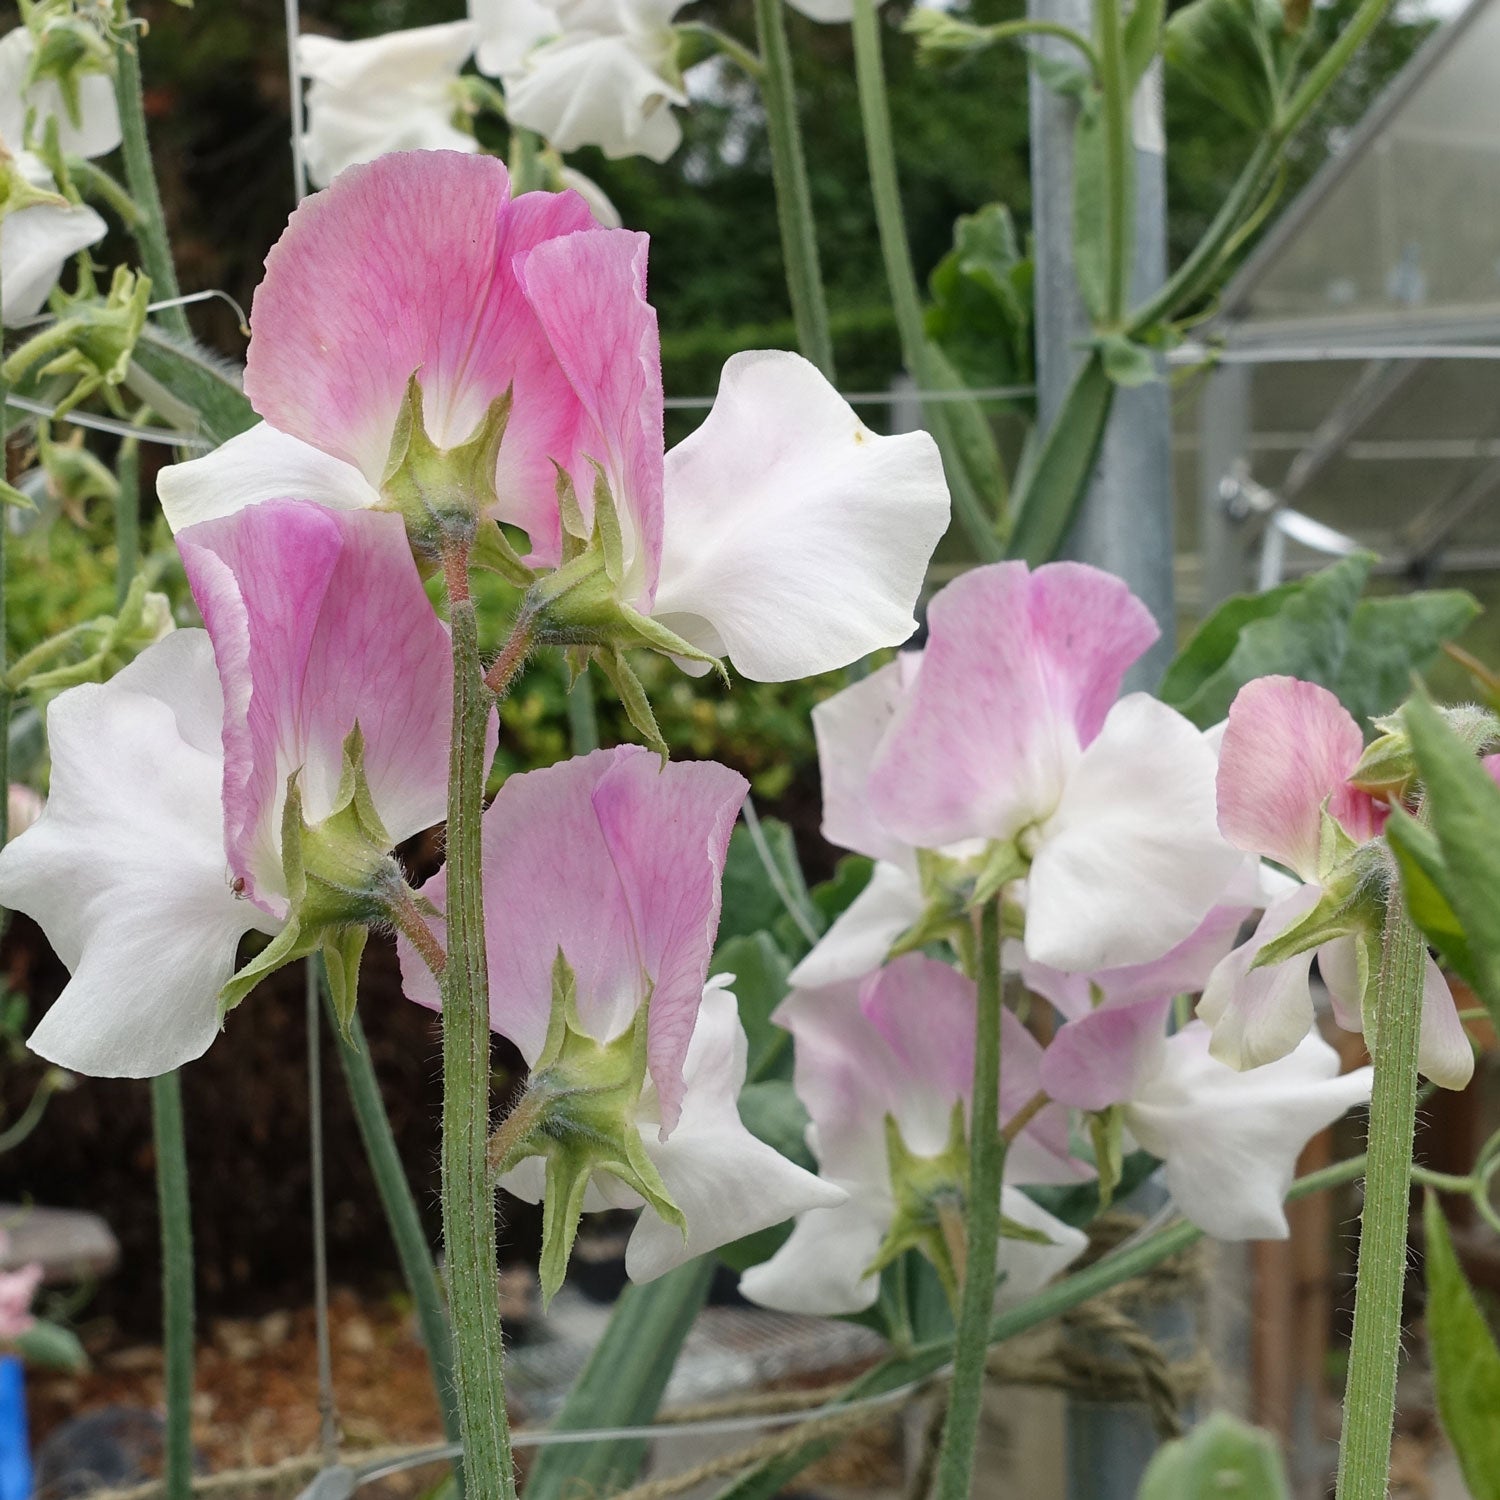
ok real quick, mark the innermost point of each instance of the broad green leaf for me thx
(1227, 50)
(1463, 806)
(202, 382)
(1300, 629)
(1047, 498)
(1389, 639)
(1465, 1361)
(622, 1385)
(762, 886)
(1423, 878)
(50, 1346)
(1220, 1459)
(1143, 35)
(760, 972)
(834, 897)
(1126, 362)
(1090, 207)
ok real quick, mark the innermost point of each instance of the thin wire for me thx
(795, 909)
(212, 294)
(111, 425)
(1297, 354)
(885, 398)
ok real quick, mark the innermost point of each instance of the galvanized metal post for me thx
(1223, 447)
(1125, 523)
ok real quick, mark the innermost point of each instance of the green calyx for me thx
(93, 650)
(341, 879)
(953, 889)
(928, 1192)
(442, 493)
(579, 1114)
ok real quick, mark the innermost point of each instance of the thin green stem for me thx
(127, 518)
(140, 175)
(741, 56)
(1370, 1395)
(468, 1198)
(1014, 30)
(176, 1281)
(94, 182)
(401, 1214)
(1119, 177)
(981, 1227)
(794, 210)
(583, 720)
(906, 299)
(525, 169)
(1444, 1182)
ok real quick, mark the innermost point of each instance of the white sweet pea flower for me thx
(508, 30)
(608, 78)
(385, 93)
(36, 241)
(93, 130)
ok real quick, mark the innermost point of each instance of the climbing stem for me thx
(176, 1281)
(468, 1198)
(1370, 1395)
(982, 1226)
(1119, 178)
(794, 211)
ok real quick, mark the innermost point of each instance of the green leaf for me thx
(1126, 362)
(1228, 51)
(1090, 207)
(1300, 629)
(622, 1385)
(971, 441)
(206, 385)
(755, 897)
(1423, 875)
(1142, 39)
(1389, 639)
(1463, 805)
(1465, 1361)
(1220, 1459)
(1048, 496)
(50, 1346)
(832, 898)
(760, 972)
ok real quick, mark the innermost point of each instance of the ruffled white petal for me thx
(820, 1270)
(795, 539)
(861, 936)
(848, 728)
(1131, 861)
(726, 1182)
(508, 30)
(1231, 1140)
(260, 464)
(95, 131)
(35, 244)
(1025, 1268)
(1443, 1051)
(125, 870)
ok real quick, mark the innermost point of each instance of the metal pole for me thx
(1224, 445)
(1125, 522)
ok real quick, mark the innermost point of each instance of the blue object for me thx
(15, 1447)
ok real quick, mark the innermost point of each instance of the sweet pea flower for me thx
(1284, 793)
(900, 1047)
(396, 92)
(89, 126)
(39, 231)
(1230, 1140)
(607, 75)
(17, 1291)
(782, 533)
(607, 868)
(508, 30)
(1005, 732)
(160, 844)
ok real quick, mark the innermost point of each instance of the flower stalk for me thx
(1370, 1395)
(176, 1280)
(982, 1225)
(468, 1197)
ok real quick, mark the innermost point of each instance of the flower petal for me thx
(1099, 1059)
(1131, 862)
(796, 540)
(820, 1270)
(1019, 672)
(96, 131)
(1230, 1140)
(1443, 1051)
(36, 242)
(726, 1182)
(350, 309)
(319, 622)
(260, 464)
(1026, 1267)
(588, 292)
(861, 936)
(508, 30)
(1260, 1015)
(1288, 749)
(125, 869)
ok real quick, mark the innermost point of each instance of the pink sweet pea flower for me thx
(902, 1045)
(1288, 751)
(1230, 1140)
(615, 861)
(17, 1290)
(162, 801)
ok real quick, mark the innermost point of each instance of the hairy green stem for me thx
(140, 176)
(400, 1207)
(176, 1281)
(468, 1197)
(1370, 1395)
(1119, 176)
(906, 299)
(127, 518)
(927, 1359)
(794, 210)
(981, 1226)
(583, 718)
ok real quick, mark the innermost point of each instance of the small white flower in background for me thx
(606, 75)
(24, 806)
(508, 30)
(39, 230)
(396, 92)
(93, 130)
